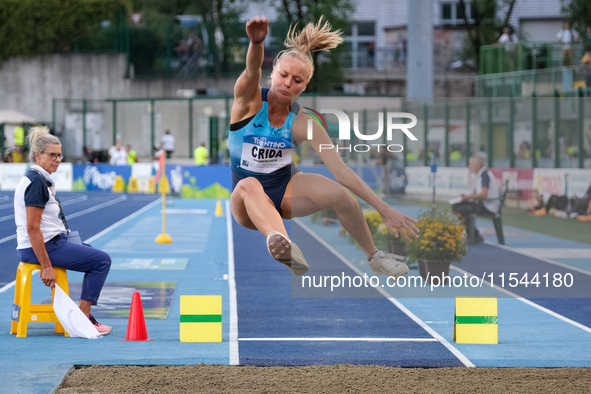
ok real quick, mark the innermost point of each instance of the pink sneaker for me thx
(101, 328)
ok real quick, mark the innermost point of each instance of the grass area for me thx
(550, 225)
(570, 229)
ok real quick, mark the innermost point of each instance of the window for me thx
(366, 28)
(453, 13)
(446, 11)
(361, 45)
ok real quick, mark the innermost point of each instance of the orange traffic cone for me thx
(136, 327)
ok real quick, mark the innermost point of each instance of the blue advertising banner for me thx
(212, 181)
(98, 176)
(189, 181)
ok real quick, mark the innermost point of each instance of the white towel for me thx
(71, 317)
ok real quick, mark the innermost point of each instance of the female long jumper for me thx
(266, 125)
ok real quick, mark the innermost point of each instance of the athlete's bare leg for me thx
(252, 208)
(309, 193)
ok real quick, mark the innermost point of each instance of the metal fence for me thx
(519, 132)
(528, 56)
(542, 82)
(138, 122)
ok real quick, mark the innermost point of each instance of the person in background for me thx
(455, 155)
(8, 156)
(371, 50)
(18, 154)
(201, 155)
(507, 36)
(157, 152)
(567, 36)
(117, 155)
(586, 59)
(587, 216)
(132, 156)
(167, 142)
(41, 227)
(19, 137)
(587, 37)
(524, 151)
(91, 156)
(568, 150)
(483, 153)
(484, 194)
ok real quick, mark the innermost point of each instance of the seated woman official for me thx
(42, 231)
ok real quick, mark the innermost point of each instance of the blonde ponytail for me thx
(312, 38)
(39, 138)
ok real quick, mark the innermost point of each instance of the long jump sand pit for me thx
(321, 379)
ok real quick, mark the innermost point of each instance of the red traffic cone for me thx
(136, 327)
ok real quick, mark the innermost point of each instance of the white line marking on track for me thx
(7, 286)
(5, 218)
(528, 302)
(66, 202)
(6, 239)
(421, 323)
(523, 253)
(234, 352)
(73, 215)
(343, 339)
(126, 219)
(97, 207)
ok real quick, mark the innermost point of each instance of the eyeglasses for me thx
(55, 156)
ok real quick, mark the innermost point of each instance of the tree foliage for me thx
(488, 17)
(338, 13)
(30, 27)
(578, 12)
(221, 16)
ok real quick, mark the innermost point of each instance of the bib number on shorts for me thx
(265, 155)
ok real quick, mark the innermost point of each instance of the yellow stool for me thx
(35, 313)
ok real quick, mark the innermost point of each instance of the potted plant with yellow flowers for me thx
(440, 242)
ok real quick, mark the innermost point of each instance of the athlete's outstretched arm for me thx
(247, 89)
(394, 220)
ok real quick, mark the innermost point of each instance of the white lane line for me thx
(84, 197)
(415, 318)
(66, 202)
(7, 286)
(545, 260)
(74, 215)
(80, 213)
(125, 219)
(343, 339)
(6, 239)
(97, 207)
(234, 354)
(526, 301)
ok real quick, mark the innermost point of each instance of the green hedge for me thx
(29, 27)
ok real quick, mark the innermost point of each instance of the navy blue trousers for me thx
(82, 258)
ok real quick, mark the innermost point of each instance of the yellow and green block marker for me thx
(201, 319)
